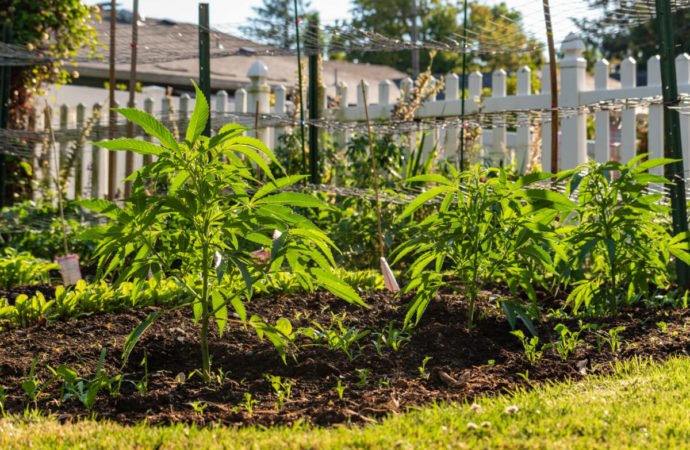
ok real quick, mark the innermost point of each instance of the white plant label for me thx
(69, 269)
(388, 277)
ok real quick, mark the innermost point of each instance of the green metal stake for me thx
(461, 163)
(4, 106)
(313, 96)
(672, 148)
(205, 59)
(299, 88)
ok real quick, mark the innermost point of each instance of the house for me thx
(168, 57)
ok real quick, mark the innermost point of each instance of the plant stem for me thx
(203, 333)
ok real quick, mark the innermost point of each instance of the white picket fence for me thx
(501, 146)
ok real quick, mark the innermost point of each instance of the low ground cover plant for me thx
(34, 227)
(22, 268)
(224, 217)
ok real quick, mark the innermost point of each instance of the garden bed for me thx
(463, 364)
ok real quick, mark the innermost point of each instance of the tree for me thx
(53, 31)
(623, 32)
(439, 20)
(49, 28)
(274, 23)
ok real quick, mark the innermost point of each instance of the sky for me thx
(231, 14)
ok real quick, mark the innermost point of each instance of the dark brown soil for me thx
(488, 357)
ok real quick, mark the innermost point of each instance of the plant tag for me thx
(69, 269)
(388, 277)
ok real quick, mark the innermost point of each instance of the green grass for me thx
(642, 405)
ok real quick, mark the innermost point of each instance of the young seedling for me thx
(198, 407)
(362, 375)
(530, 345)
(569, 341)
(340, 389)
(663, 326)
(249, 403)
(33, 386)
(281, 388)
(422, 369)
(143, 384)
(3, 396)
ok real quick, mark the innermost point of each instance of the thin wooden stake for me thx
(554, 88)
(49, 118)
(256, 127)
(373, 168)
(129, 156)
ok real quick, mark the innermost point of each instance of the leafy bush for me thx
(18, 269)
(220, 224)
(486, 226)
(618, 239)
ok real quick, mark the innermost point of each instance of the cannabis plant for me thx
(227, 226)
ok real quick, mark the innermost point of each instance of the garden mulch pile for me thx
(464, 364)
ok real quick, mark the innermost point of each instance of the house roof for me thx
(168, 56)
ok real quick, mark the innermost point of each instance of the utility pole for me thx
(672, 142)
(112, 156)
(554, 88)
(415, 50)
(129, 157)
(205, 59)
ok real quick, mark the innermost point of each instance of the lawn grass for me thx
(641, 405)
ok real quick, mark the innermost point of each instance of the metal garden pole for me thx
(461, 163)
(112, 156)
(672, 142)
(205, 59)
(313, 96)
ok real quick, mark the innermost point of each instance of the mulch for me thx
(464, 364)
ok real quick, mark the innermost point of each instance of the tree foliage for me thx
(50, 28)
(53, 28)
(274, 22)
(621, 32)
(439, 20)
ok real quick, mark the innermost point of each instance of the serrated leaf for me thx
(151, 125)
(132, 145)
(293, 199)
(197, 122)
(337, 286)
(220, 311)
(423, 198)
